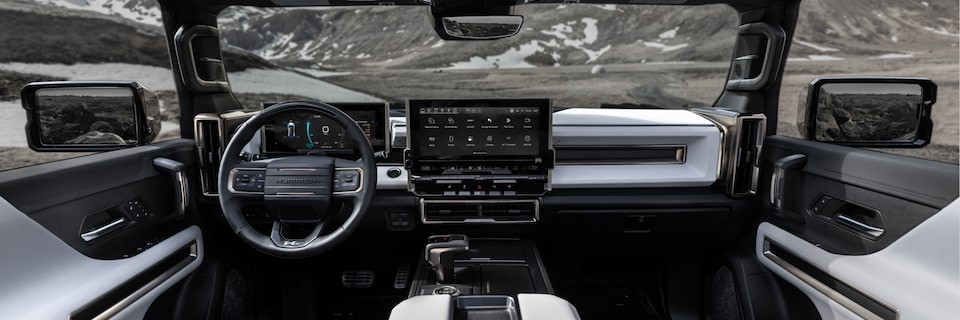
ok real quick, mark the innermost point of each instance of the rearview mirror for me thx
(481, 27)
(89, 116)
(868, 112)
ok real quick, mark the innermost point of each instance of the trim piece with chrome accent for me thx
(359, 187)
(856, 301)
(164, 270)
(103, 230)
(233, 172)
(623, 154)
(859, 226)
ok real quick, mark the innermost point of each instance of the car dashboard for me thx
(503, 161)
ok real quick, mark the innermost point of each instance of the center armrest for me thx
(445, 307)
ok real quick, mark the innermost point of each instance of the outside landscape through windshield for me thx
(577, 55)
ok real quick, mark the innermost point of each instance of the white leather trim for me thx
(545, 307)
(918, 275)
(433, 307)
(44, 278)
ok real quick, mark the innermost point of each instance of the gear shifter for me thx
(441, 251)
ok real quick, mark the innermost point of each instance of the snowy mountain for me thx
(552, 35)
(143, 11)
(402, 37)
(395, 37)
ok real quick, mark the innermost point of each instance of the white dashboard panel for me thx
(700, 168)
(627, 128)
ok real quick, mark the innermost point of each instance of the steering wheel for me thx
(302, 190)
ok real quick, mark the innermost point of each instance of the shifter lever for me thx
(440, 253)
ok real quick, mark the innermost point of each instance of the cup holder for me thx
(485, 307)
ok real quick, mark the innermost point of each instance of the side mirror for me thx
(89, 116)
(878, 112)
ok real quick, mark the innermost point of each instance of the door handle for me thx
(858, 226)
(175, 168)
(103, 230)
(778, 179)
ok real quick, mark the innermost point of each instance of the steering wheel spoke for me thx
(276, 234)
(348, 180)
(247, 180)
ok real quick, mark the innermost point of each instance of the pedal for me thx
(403, 276)
(357, 279)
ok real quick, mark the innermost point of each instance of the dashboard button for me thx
(480, 193)
(509, 193)
(495, 193)
(449, 193)
(463, 193)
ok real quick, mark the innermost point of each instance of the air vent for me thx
(750, 132)
(208, 132)
(483, 211)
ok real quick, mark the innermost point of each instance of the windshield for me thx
(578, 55)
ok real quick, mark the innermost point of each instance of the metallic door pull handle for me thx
(778, 181)
(859, 226)
(176, 168)
(103, 230)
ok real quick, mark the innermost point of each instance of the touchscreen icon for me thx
(431, 121)
(450, 138)
(450, 120)
(508, 120)
(526, 138)
(469, 138)
(432, 139)
(489, 138)
(527, 120)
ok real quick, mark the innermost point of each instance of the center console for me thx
(479, 161)
(464, 278)
(455, 264)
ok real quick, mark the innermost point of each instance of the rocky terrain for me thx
(651, 55)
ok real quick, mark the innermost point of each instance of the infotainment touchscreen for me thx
(508, 129)
(305, 131)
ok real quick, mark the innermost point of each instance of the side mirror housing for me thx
(85, 116)
(877, 112)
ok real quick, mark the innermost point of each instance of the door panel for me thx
(862, 233)
(94, 236)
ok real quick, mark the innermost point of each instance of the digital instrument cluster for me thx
(302, 132)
